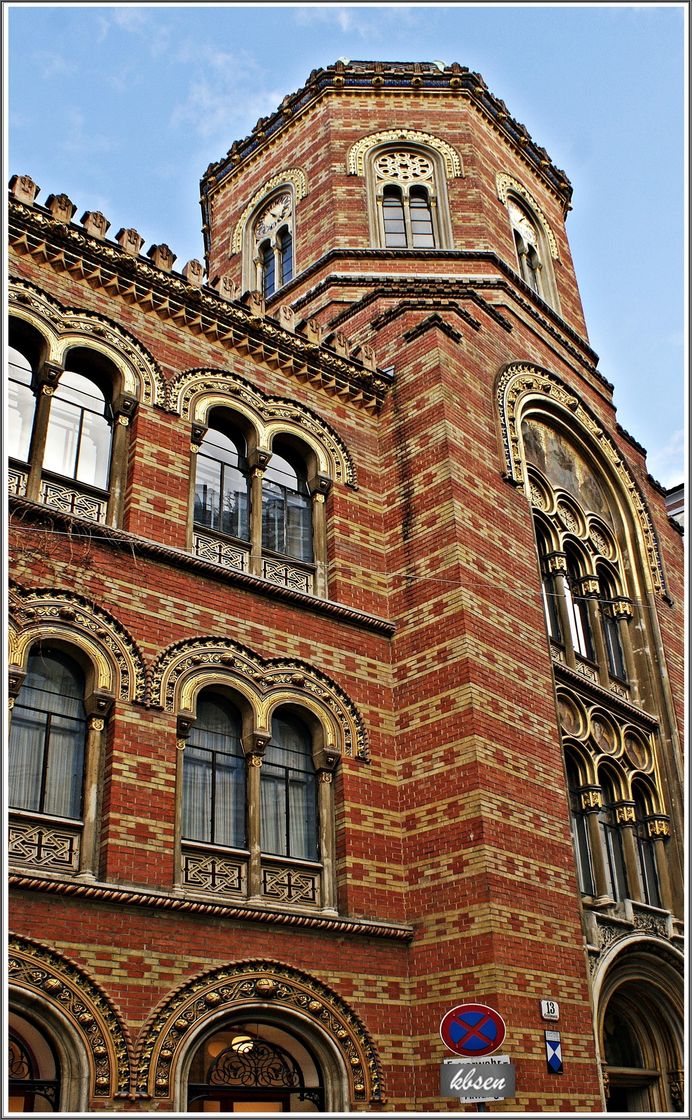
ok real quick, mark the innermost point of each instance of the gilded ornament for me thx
(102, 1082)
(96, 724)
(52, 985)
(181, 1024)
(314, 1005)
(266, 987)
(212, 998)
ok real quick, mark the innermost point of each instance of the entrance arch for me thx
(316, 1046)
(640, 1031)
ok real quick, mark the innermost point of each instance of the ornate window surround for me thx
(515, 196)
(262, 422)
(444, 161)
(292, 184)
(128, 375)
(258, 690)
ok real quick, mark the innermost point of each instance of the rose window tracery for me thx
(403, 167)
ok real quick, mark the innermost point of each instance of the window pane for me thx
(274, 811)
(93, 464)
(64, 765)
(302, 816)
(268, 271)
(25, 757)
(62, 440)
(286, 252)
(207, 492)
(421, 220)
(197, 776)
(273, 516)
(298, 526)
(235, 504)
(20, 406)
(393, 217)
(229, 801)
(48, 736)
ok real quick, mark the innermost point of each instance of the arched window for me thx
(287, 506)
(33, 1069)
(21, 405)
(393, 218)
(78, 442)
(285, 242)
(580, 831)
(578, 607)
(612, 637)
(48, 736)
(214, 775)
(648, 874)
(272, 243)
(422, 232)
(612, 841)
(548, 584)
(528, 245)
(222, 486)
(289, 791)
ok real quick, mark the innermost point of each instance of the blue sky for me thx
(123, 108)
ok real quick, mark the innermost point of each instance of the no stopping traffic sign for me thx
(472, 1030)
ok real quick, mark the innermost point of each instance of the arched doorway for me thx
(641, 1034)
(254, 1066)
(33, 1068)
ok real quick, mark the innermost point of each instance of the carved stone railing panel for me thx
(213, 872)
(287, 575)
(290, 883)
(69, 500)
(16, 481)
(221, 552)
(44, 844)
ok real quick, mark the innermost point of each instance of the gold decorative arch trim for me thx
(177, 674)
(293, 176)
(57, 981)
(506, 185)
(522, 387)
(194, 392)
(246, 985)
(450, 157)
(64, 327)
(51, 614)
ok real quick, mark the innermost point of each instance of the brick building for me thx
(345, 635)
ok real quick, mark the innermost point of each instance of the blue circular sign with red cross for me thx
(472, 1030)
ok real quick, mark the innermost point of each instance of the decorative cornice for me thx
(202, 311)
(541, 311)
(142, 546)
(434, 322)
(134, 897)
(384, 78)
(608, 699)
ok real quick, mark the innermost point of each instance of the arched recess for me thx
(65, 328)
(506, 186)
(186, 667)
(195, 392)
(89, 1031)
(292, 177)
(54, 615)
(639, 1018)
(358, 152)
(297, 1001)
(522, 390)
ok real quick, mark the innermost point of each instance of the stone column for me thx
(254, 746)
(98, 706)
(319, 487)
(124, 408)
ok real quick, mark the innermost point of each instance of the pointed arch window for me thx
(611, 627)
(47, 737)
(578, 607)
(222, 483)
(616, 873)
(33, 1069)
(408, 198)
(214, 775)
(289, 791)
(648, 873)
(580, 830)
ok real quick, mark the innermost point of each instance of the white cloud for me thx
(227, 97)
(50, 64)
